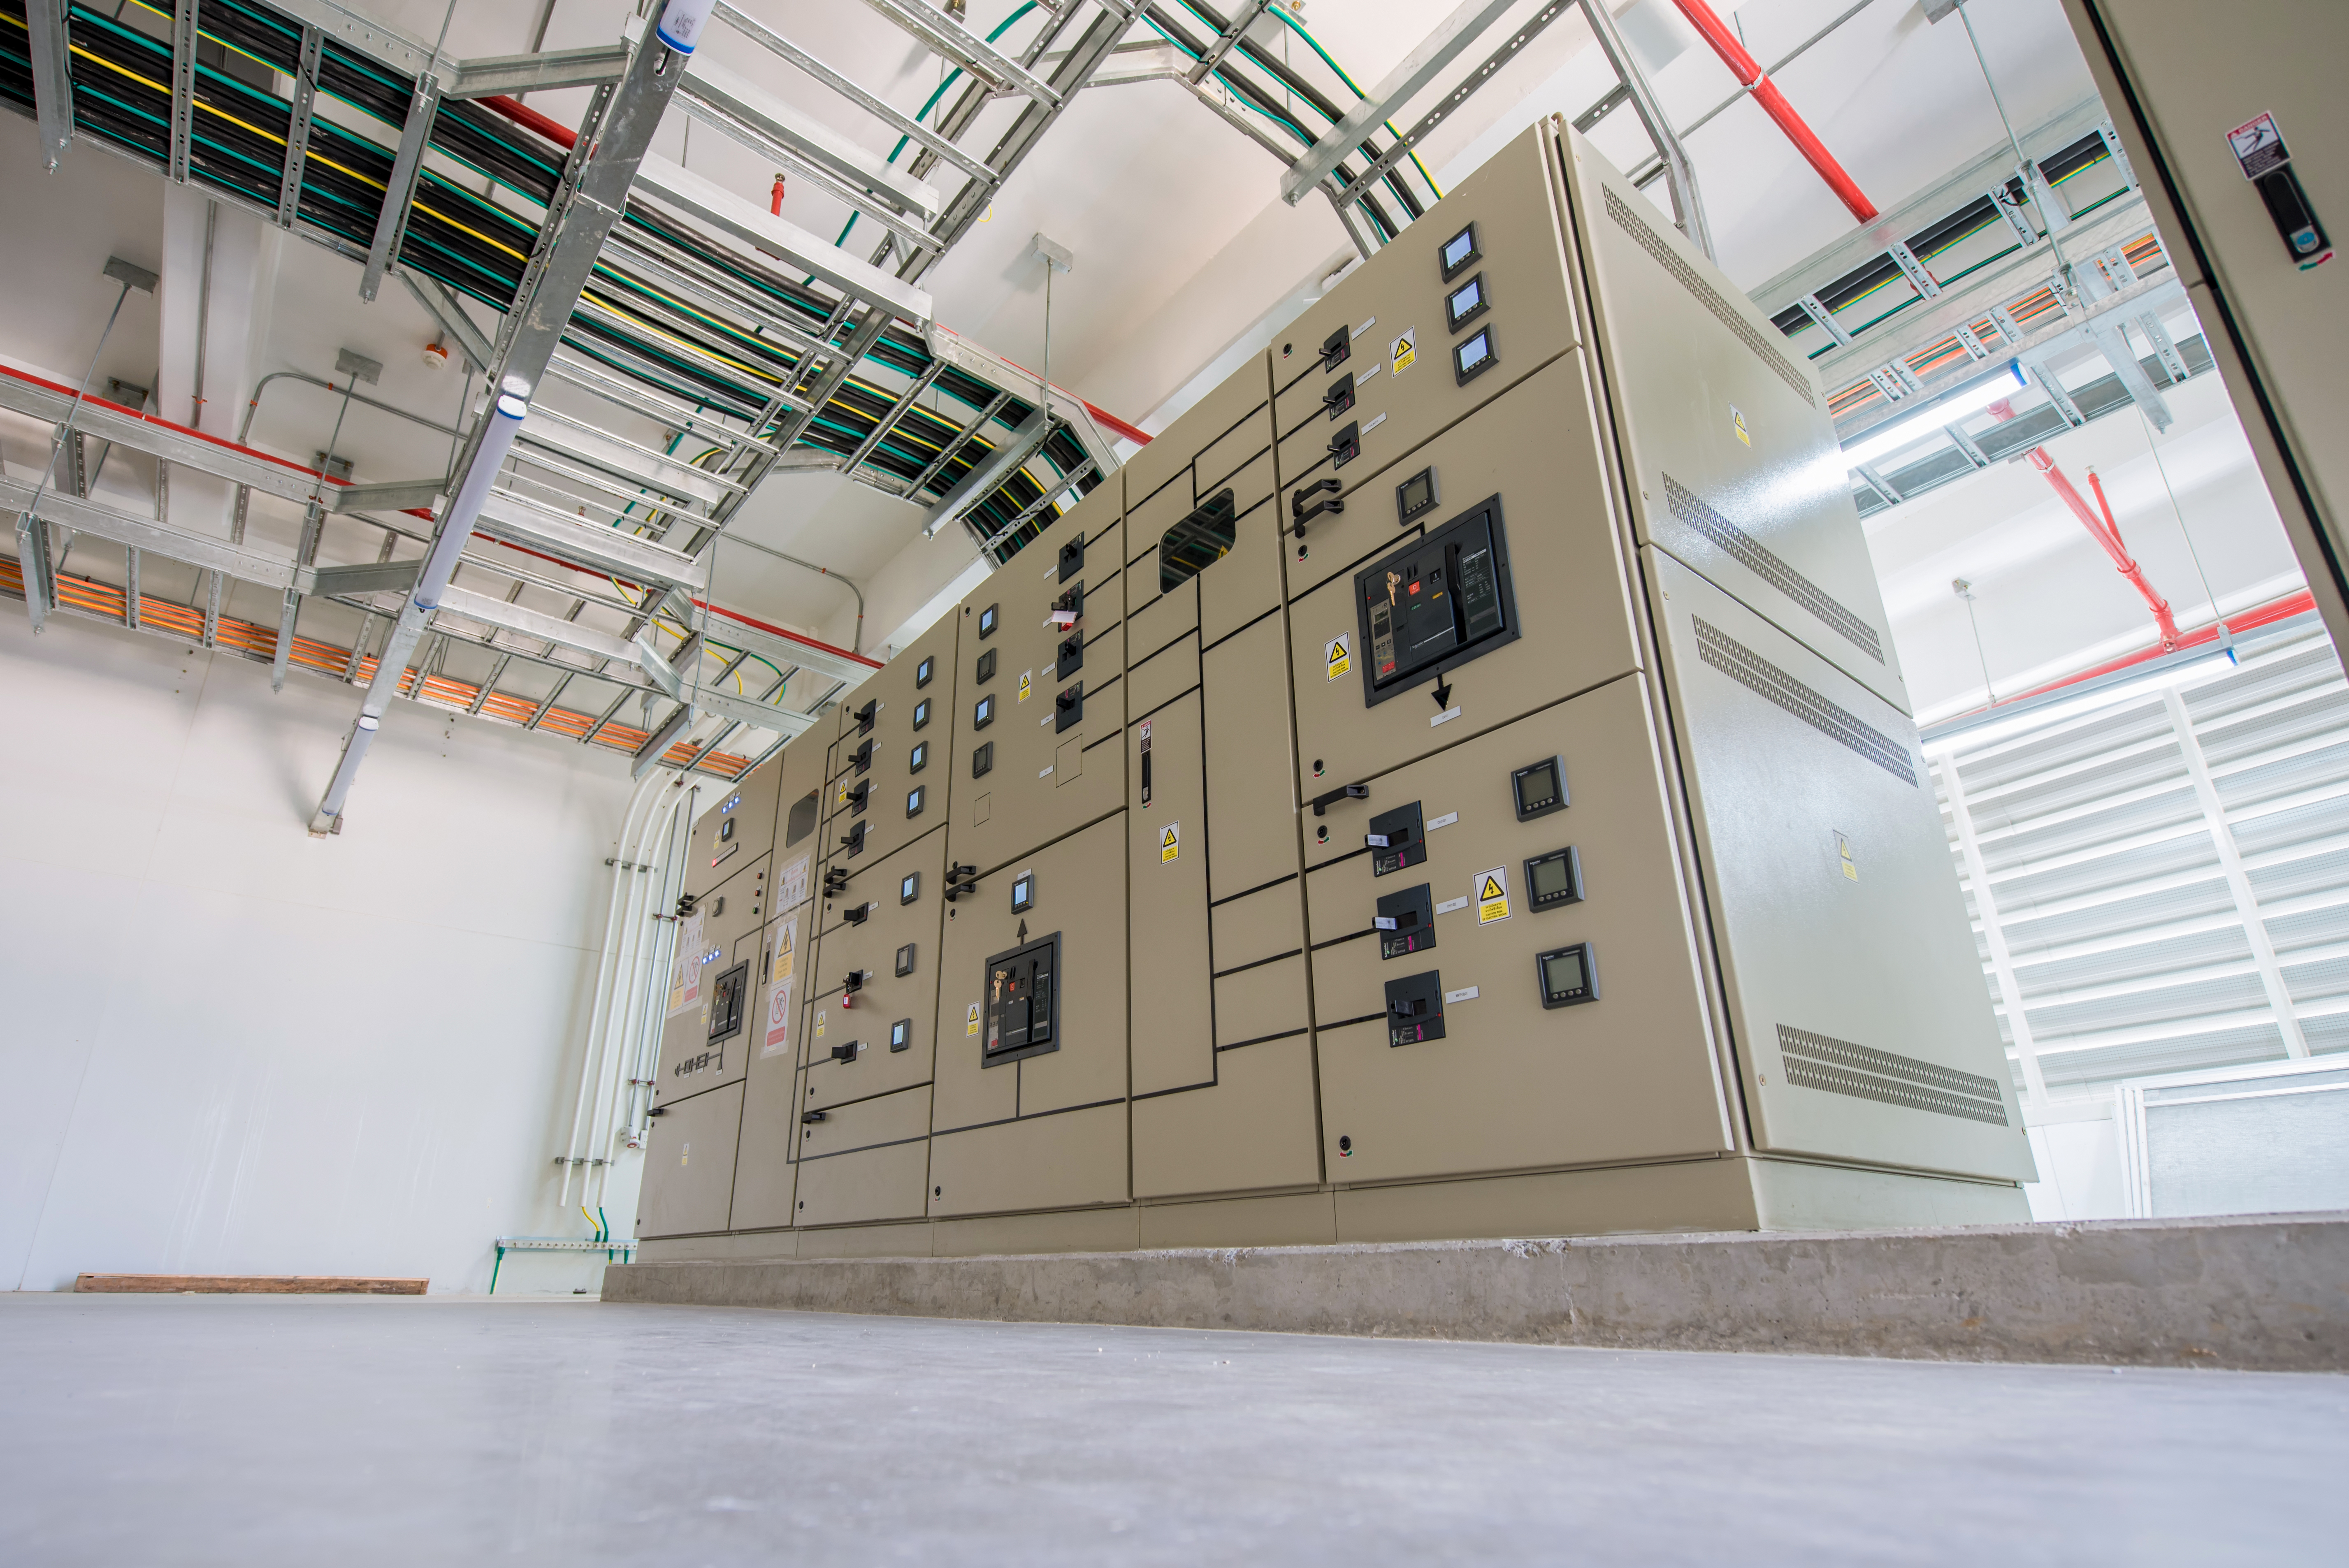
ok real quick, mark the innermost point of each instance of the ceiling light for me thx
(1951, 406)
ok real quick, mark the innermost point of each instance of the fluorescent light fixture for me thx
(1950, 407)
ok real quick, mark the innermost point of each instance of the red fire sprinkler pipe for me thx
(1773, 104)
(2103, 529)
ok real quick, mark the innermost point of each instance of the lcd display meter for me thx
(1475, 356)
(1569, 975)
(1465, 304)
(1415, 497)
(1554, 879)
(1459, 250)
(1539, 787)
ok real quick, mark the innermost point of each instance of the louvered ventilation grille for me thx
(2141, 933)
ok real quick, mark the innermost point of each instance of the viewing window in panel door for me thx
(1202, 538)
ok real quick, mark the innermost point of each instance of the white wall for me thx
(235, 1048)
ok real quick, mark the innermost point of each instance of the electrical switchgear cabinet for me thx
(765, 1165)
(716, 983)
(1456, 774)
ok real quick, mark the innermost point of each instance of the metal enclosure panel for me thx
(1202, 425)
(728, 922)
(2178, 77)
(1538, 448)
(1513, 1085)
(1868, 959)
(1245, 583)
(885, 997)
(736, 831)
(1174, 1042)
(1080, 892)
(1041, 779)
(1071, 1161)
(1259, 926)
(1513, 202)
(1686, 356)
(1252, 1129)
(763, 1162)
(865, 1162)
(689, 1181)
(1251, 789)
(888, 773)
(1263, 1002)
(1164, 616)
(1160, 678)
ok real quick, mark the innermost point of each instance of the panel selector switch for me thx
(1072, 557)
(1396, 839)
(1071, 656)
(1346, 445)
(1415, 1008)
(1069, 708)
(1406, 921)
(1300, 513)
(846, 1051)
(863, 758)
(865, 717)
(1336, 347)
(1339, 397)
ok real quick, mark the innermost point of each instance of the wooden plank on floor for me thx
(245, 1284)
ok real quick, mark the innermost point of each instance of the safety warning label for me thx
(1340, 658)
(1491, 895)
(1170, 843)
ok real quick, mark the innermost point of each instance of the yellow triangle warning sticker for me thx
(1170, 843)
(1340, 656)
(1491, 895)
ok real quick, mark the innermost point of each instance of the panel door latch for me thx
(1321, 803)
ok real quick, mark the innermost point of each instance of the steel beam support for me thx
(1913, 270)
(2112, 342)
(183, 93)
(807, 142)
(966, 48)
(130, 608)
(33, 560)
(176, 444)
(955, 444)
(664, 736)
(1087, 56)
(1688, 207)
(765, 36)
(991, 473)
(443, 307)
(492, 75)
(45, 22)
(399, 190)
(689, 192)
(103, 521)
(1243, 17)
(2052, 385)
(297, 130)
(2163, 345)
(1450, 40)
(361, 35)
(897, 411)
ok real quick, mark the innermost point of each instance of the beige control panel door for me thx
(689, 1181)
(715, 990)
(865, 1161)
(1727, 435)
(1032, 991)
(888, 780)
(736, 831)
(1212, 529)
(875, 982)
(1174, 1021)
(763, 1165)
(1040, 697)
(1863, 1023)
(1454, 312)
(1507, 588)
(1514, 991)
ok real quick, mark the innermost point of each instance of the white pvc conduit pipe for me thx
(591, 1058)
(646, 1057)
(639, 933)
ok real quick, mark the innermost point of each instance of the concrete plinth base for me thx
(2263, 1292)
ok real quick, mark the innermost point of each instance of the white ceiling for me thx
(1155, 194)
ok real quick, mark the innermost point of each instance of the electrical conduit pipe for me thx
(664, 951)
(606, 975)
(644, 942)
(1773, 103)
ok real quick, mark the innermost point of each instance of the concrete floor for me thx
(194, 1430)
